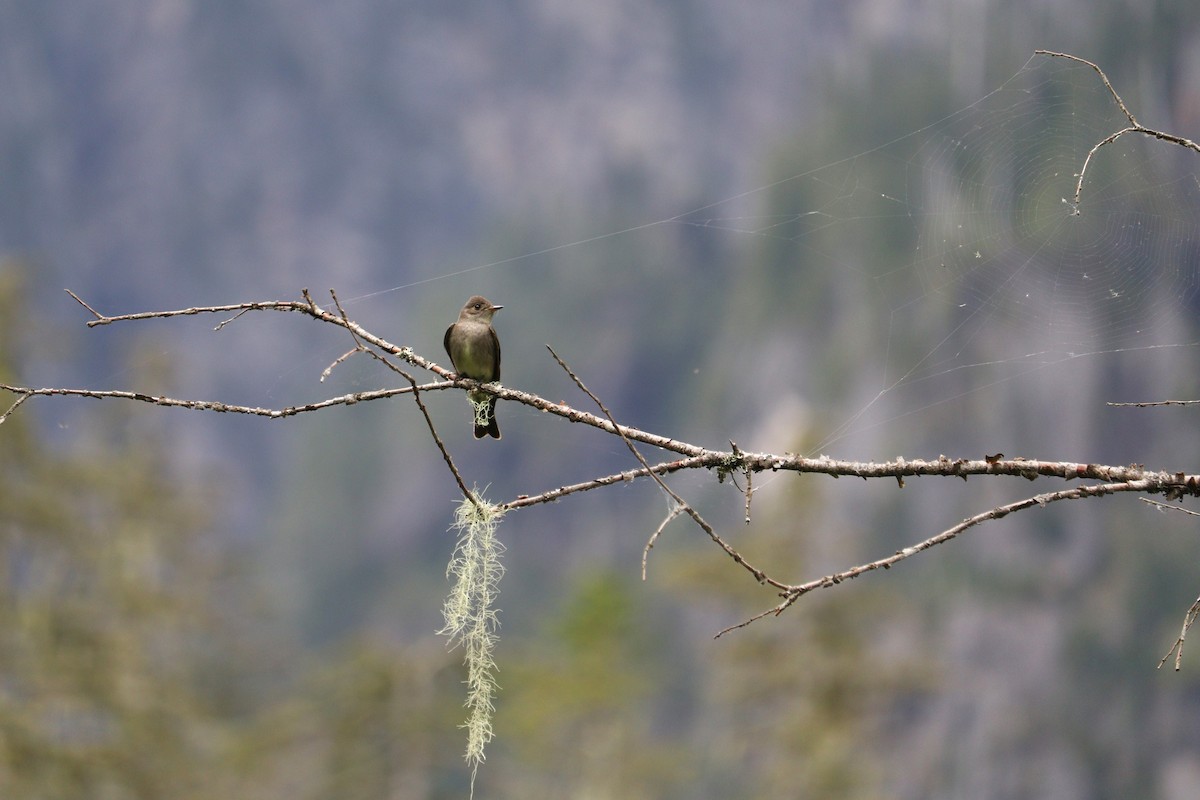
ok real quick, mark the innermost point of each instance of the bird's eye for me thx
(478, 306)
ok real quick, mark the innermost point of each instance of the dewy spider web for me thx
(996, 271)
(1000, 236)
(992, 270)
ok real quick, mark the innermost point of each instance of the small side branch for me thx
(1165, 507)
(211, 405)
(21, 399)
(793, 593)
(325, 373)
(306, 307)
(664, 468)
(360, 347)
(100, 317)
(1188, 620)
(462, 485)
(662, 526)
(366, 340)
(1121, 103)
(680, 503)
(1153, 403)
(737, 452)
(1134, 125)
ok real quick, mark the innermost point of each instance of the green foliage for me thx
(137, 659)
(106, 609)
(584, 703)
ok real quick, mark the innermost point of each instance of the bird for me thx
(474, 350)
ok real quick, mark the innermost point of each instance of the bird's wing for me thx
(496, 349)
(445, 343)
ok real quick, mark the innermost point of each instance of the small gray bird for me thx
(474, 350)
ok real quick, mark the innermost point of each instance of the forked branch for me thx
(1172, 485)
(1134, 125)
(1106, 479)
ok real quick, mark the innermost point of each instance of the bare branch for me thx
(234, 318)
(1134, 125)
(1151, 404)
(241, 308)
(224, 408)
(1103, 77)
(793, 593)
(359, 347)
(325, 373)
(97, 314)
(24, 396)
(1165, 507)
(306, 307)
(758, 574)
(675, 512)
(749, 478)
(416, 392)
(345, 319)
(1113, 478)
(309, 308)
(1188, 620)
(665, 468)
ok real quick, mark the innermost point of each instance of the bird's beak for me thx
(497, 308)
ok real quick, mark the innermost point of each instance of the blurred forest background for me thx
(808, 226)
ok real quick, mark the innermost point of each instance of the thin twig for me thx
(664, 468)
(306, 306)
(737, 452)
(325, 373)
(1177, 483)
(674, 512)
(79, 300)
(1151, 404)
(1188, 620)
(360, 347)
(749, 491)
(224, 408)
(1103, 77)
(14, 406)
(234, 318)
(309, 308)
(1166, 507)
(266, 305)
(416, 392)
(793, 593)
(1134, 125)
(758, 574)
(350, 326)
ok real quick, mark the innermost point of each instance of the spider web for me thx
(995, 269)
(1001, 236)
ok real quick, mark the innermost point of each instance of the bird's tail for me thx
(491, 428)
